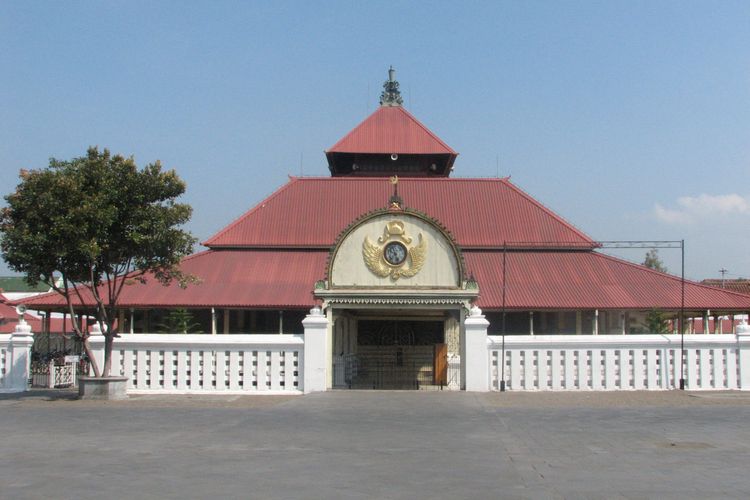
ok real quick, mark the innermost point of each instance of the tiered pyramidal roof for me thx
(271, 256)
(391, 142)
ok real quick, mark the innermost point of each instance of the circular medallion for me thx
(395, 253)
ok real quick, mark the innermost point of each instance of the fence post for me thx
(476, 351)
(314, 361)
(51, 374)
(20, 346)
(743, 348)
(96, 342)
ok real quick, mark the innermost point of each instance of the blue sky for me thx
(630, 119)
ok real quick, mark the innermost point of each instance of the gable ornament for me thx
(391, 255)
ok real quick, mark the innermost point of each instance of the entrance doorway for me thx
(397, 354)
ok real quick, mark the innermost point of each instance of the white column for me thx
(705, 322)
(213, 321)
(314, 362)
(96, 341)
(20, 358)
(596, 322)
(132, 320)
(531, 322)
(475, 346)
(743, 345)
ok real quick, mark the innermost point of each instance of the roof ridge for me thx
(363, 178)
(388, 109)
(667, 275)
(428, 131)
(258, 206)
(352, 130)
(547, 210)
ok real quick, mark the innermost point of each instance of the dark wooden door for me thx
(440, 363)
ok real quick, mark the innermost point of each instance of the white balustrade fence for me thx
(5, 359)
(183, 364)
(608, 362)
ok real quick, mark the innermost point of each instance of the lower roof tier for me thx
(562, 280)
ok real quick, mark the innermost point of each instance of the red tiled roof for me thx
(587, 280)
(229, 278)
(391, 129)
(9, 317)
(536, 280)
(481, 213)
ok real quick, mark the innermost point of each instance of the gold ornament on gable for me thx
(391, 256)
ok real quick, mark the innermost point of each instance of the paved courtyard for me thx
(366, 445)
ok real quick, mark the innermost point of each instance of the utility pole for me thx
(723, 272)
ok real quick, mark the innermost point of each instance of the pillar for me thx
(18, 373)
(476, 359)
(531, 322)
(132, 320)
(213, 321)
(314, 361)
(121, 321)
(96, 342)
(595, 326)
(743, 346)
(705, 322)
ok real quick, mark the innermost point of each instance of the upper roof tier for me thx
(481, 213)
(391, 142)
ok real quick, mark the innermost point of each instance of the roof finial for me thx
(396, 202)
(391, 95)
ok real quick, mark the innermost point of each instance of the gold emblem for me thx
(392, 257)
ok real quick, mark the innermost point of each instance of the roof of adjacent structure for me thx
(280, 279)
(310, 212)
(391, 129)
(735, 285)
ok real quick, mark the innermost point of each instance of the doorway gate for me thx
(395, 354)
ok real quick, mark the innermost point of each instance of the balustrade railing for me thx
(182, 364)
(608, 362)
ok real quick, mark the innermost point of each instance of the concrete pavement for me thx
(367, 444)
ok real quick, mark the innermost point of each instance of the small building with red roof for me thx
(396, 251)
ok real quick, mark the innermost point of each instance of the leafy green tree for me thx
(652, 261)
(656, 321)
(100, 223)
(179, 321)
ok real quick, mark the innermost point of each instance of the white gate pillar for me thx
(96, 343)
(476, 353)
(743, 346)
(20, 357)
(314, 362)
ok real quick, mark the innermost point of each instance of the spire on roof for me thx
(391, 95)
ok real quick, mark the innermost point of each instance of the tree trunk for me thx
(108, 342)
(92, 359)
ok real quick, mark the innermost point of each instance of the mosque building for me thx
(396, 251)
